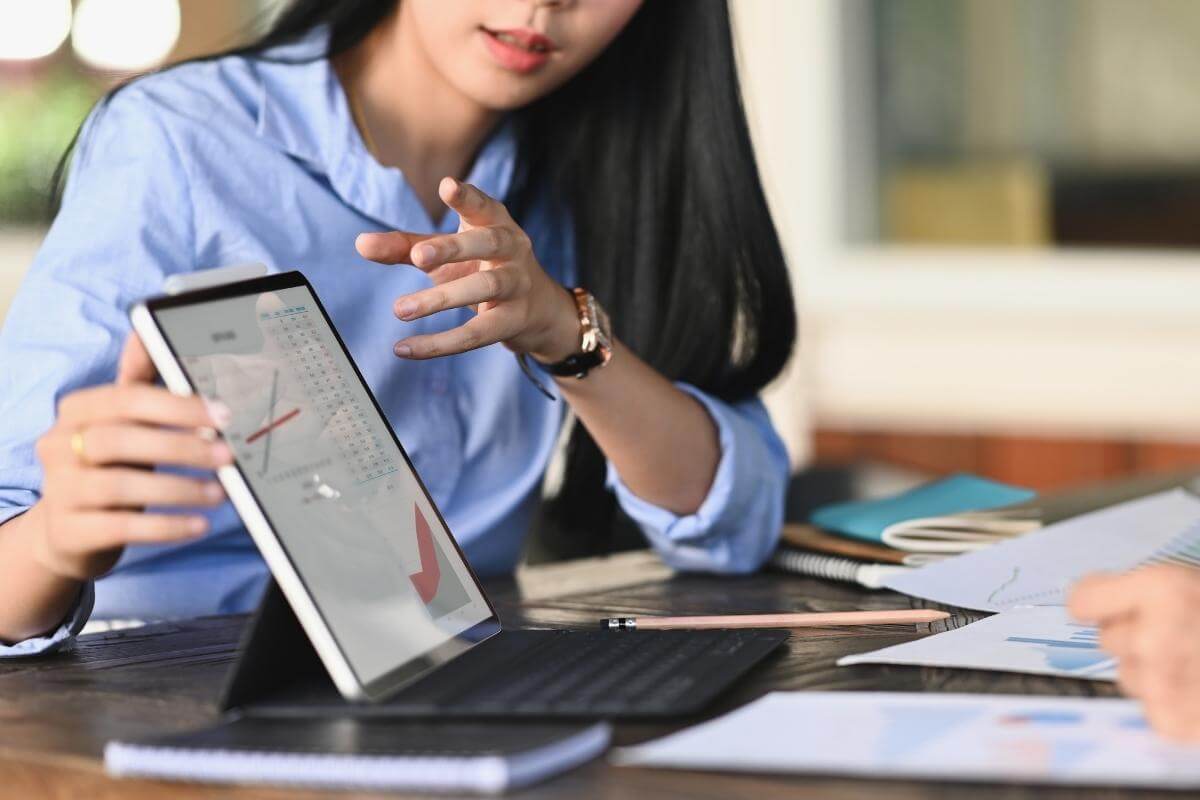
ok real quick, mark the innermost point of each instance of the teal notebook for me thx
(869, 519)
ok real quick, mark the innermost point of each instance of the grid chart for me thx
(332, 397)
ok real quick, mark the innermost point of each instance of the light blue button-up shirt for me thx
(241, 160)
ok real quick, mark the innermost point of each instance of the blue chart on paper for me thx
(1079, 653)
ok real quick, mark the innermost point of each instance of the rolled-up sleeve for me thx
(125, 223)
(737, 526)
(61, 636)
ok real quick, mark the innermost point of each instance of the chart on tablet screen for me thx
(324, 469)
(303, 427)
(436, 583)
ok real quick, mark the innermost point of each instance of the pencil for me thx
(909, 616)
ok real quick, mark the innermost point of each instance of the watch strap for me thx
(576, 365)
(596, 350)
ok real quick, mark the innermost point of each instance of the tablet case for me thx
(275, 655)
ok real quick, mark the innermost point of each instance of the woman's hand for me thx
(96, 459)
(489, 266)
(1150, 620)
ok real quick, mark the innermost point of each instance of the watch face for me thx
(600, 323)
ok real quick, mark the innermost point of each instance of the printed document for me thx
(994, 738)
(1039, 568)
(1041, 640)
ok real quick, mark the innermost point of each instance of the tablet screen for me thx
(328, 473)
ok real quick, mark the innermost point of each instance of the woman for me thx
(588, 144)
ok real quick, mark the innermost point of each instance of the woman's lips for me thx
(518, 49)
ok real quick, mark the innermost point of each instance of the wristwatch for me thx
(595, 350)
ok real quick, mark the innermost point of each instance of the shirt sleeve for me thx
(124, 224)
(63, 635)
(737, 526)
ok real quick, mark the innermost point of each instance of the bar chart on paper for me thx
(1041, 640)
(1076, 653)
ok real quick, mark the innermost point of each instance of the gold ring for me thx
(77, 446)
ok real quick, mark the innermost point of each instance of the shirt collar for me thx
(304, 112)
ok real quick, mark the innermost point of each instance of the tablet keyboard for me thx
(589, 673)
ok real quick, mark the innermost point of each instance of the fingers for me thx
(472, 205)
(98, 530)
(136, 402)
(489, 242)
(1099, 597)
(95, 488)
(1117, 636)
(135, 365)
(137, 444)
(394, 247)
(453, 271)
(1148, 623)
(479, 287)
(1168, 721)
(1129, 676)
(479, 332)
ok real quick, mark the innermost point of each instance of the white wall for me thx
(1073, 343)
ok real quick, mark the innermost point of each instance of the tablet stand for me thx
(274, 653)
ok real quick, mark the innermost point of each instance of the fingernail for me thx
(213, 491)
(403, 350)
(423, 253)
(222, 454)
(197, 525)
(405, 309)
(219, 413)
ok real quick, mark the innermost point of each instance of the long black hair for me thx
(648, 151)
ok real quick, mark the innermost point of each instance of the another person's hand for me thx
(489, 265)
(1150, 620)
(96, 460)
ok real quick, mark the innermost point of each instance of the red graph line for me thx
(263, 431)
(426, 581)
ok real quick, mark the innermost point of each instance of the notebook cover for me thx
(348, 752)
(807, 537)
(867, 519)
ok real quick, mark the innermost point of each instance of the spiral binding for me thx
(817, 565)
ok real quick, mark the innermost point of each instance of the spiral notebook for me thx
(366, 754)
(834, 568)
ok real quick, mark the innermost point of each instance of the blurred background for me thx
(990, 207)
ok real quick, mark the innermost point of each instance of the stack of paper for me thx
(1028, 580)
(1039, 568)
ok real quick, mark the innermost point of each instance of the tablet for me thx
(321, 482)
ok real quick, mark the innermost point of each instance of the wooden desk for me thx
(56, 713)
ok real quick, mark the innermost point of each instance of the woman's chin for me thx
(508, 92)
